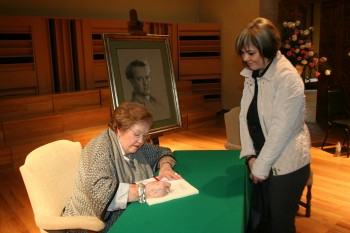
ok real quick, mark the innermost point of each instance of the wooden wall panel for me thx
(25, 67)
(2, 140)
(100, 74)
(75, 101)
(199, 29)
(174, 47)
(83, 52)
(100, 26)
(200, 58)
(106, 97)
(200, 68)
(63, 55)
(42, 53)
(5, 158)
(86, 119)
(10, 80)
(25, 107)
(25, 129)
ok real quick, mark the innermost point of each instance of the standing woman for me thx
(113, 161)
(275, 139)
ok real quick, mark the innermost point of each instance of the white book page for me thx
(179, 188)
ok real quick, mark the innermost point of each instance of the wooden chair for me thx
(231, 119)
(49, 174)
(338, 116)
(307, 204)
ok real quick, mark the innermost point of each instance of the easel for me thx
(135, 28)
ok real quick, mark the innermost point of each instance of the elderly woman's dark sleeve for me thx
(154, 153)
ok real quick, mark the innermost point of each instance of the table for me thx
(219, 175)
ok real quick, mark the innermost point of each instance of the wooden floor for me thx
(330, 211)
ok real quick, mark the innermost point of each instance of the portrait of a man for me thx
(138, 73)
(148, 88)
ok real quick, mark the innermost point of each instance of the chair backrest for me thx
(231, 119)
(49, 174)
(336, 102)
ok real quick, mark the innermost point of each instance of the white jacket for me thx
(281, 107)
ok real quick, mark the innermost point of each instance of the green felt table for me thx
(220, 206)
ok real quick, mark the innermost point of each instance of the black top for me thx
(254, 126)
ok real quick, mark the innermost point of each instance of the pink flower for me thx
(323, 59)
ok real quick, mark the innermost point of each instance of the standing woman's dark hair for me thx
(263, 34)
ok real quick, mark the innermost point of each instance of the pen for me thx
(156, 178)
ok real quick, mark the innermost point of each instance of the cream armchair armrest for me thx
(69, 222)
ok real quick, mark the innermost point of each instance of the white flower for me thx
(306, 32)
(291, 24)
(304, 62)
(297, 23)
(302, 46)
(311, 53)
(285, 24)
(308, 45)
(287, 46)
(294, 37)
(311, 28)
(297, 50)
(328, 72)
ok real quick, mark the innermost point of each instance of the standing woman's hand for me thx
(254, 178)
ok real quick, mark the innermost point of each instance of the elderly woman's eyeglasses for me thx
(137, 135)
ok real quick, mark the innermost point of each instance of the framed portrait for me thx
(140, 70)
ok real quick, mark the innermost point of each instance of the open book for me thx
(178, 189)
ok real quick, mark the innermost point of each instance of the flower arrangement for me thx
(297, 46)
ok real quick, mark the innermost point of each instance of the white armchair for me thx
(48, 174)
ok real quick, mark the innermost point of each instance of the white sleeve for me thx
(120, 199)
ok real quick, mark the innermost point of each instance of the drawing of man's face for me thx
(141, 80)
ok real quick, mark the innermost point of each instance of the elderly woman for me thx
(113, 161)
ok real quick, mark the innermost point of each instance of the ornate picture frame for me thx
(152, 85)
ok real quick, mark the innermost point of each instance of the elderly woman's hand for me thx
(167, 171)
(157, 189)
